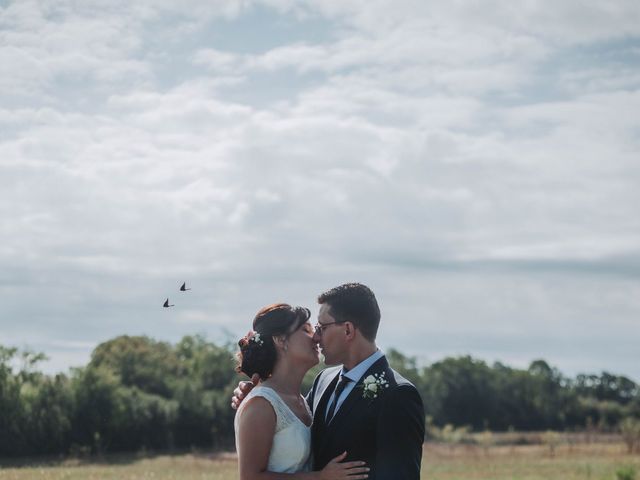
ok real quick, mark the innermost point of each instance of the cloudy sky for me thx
(476, 163)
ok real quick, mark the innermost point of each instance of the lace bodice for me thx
(292, 439)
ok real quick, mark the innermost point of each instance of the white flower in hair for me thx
(255, 337)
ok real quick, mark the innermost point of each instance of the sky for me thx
(477, 164)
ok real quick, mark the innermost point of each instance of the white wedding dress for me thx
(291, 447)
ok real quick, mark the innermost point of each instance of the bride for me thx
(273, 423)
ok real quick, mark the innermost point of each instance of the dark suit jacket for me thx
(387, 432)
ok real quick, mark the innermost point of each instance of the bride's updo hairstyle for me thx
(257, 348)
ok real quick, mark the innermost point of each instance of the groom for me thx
(361, 405)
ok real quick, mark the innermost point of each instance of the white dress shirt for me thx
(355, 374)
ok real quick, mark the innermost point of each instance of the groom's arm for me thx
(400, 435)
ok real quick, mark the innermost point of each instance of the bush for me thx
(626, 473)
(630, 430)
(551, 439)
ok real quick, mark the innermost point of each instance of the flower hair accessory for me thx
(254, 337)
(373, 385)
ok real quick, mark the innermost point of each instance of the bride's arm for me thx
(256, 428)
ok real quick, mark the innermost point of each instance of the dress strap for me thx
(283, 413)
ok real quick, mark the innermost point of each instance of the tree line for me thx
(138, 393)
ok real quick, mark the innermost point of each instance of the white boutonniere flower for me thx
(373, 385)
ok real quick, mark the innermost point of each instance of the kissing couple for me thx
(361, 419)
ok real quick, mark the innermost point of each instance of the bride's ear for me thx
(280, 341)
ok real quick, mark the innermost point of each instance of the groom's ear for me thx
(350, 330)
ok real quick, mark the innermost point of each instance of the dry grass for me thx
(585, 462)
(127, 467)
(532, 462)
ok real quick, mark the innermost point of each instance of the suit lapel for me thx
(342, 417)
(356, 393)
(324, 393)
(321, 400)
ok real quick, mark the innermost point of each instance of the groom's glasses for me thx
(319, 328)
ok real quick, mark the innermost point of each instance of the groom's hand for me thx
(242, 390)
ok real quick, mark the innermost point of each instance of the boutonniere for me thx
(373, 385)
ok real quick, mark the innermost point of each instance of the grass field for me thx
(589, 461)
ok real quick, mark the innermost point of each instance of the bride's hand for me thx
(242, 390)
(334, 470)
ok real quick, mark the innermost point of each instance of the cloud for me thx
(475, 166)
(573, 21)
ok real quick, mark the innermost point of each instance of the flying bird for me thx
(184, 288)
(166, 304)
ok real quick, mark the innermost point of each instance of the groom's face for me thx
(330, 336)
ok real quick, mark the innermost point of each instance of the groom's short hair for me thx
(355, 303)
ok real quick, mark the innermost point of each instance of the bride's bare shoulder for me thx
(257, 411)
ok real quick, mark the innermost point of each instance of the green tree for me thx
(459, 391)
(139, 361)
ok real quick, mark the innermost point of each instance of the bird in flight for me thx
(184, 288)
(166, 304)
